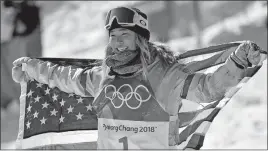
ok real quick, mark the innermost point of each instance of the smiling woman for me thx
(122, 39)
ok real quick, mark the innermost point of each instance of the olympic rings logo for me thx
(119, 95)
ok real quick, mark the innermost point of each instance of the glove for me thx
(17, 74)
(246, 55)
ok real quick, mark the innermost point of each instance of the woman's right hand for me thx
(17, 72)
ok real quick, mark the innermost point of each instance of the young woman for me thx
(139, 87)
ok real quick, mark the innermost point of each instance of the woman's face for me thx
(122, 39)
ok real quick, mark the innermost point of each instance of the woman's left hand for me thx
(248, 54)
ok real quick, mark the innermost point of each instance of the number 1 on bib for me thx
(124, 141)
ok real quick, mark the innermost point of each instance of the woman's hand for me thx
(248, 54)
(17, 72)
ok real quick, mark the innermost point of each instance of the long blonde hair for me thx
(149, 50)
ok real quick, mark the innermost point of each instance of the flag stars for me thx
(39, 85)
(47, 91)
(29, 108)
(62, 102)
(89, 107)
(45, 105)
(43, 121)
(35, 114)
(80, 100)
(61, 119)
(79, 116)
(37, 99)
(30, 93)
(54, 97)
(28, 124)
(70, 109)
(54, 112)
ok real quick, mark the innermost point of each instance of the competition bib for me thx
(123, 134)
(129, 117)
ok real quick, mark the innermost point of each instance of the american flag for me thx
(49, 116)
(51, 110)
(195, 119)
(195, 123)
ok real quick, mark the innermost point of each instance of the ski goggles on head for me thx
(125, 17)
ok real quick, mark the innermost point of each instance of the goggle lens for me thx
(123, 16)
